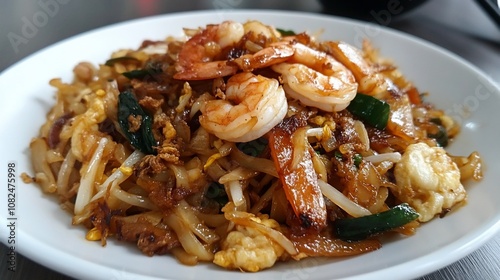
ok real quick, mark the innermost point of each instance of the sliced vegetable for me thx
(355, 229)
(370, 109)
(284, 32)
(112, 61)
(142, 138)
(217, 192)
(150, 70)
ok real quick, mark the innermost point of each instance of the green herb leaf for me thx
(370, 110)
(357, 159)
(151, 69)
(142, 139)
(338, 155)
(284, 32)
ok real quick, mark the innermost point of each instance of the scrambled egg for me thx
(428, 180)
(248, 249)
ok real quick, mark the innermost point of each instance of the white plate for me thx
(45, 233)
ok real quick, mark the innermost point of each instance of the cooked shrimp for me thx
(274, 54)
(259, 29)
(196, 58)
(374, 83)
(253, 105)
(370, 81)
(317, 79)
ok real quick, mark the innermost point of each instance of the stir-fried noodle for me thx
(243, 146)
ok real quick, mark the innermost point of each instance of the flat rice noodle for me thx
(315, 245)
(299, 181)
(401, 118)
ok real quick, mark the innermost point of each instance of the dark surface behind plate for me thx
(59, 19)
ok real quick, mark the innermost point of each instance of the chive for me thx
(285, 32)
(355, 229)
(438, 132)
(371, 110)
(222, 200)
(215, 190)
(142, 139)
(112, 61)
(441, 135)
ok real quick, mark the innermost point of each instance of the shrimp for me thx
(257, 28)
(274, 54)
(263, 40)
(196, 58)
(317, 79)
(374, 83)
(370, 81)
(252, 106)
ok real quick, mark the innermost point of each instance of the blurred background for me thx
(462, 27)
(28, 26)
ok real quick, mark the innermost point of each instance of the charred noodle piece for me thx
(355, 229)
(400, 121)
(142, 138)
(300, 181)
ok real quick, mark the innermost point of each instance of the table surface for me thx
(459, 26)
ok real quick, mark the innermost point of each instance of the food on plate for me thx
(244, 145)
